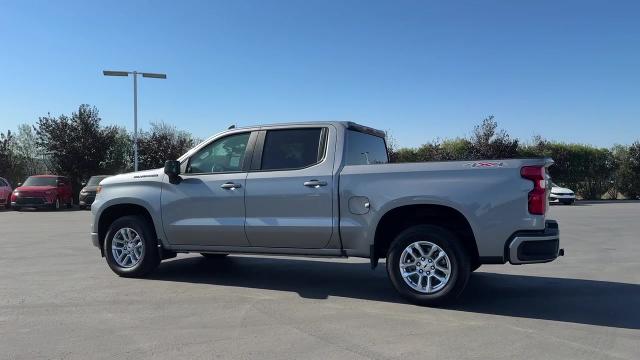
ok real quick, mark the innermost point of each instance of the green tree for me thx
(119, 158)
(630, 182)
(456, 149)
(404, 155)
(621, 174)
(487, 142)
(163, 142)
(29, 152)
(11, 167)
(76, 146)
(585, 169)
(598, 170)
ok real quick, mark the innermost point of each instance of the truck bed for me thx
(490, 194)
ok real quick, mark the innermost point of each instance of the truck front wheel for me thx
(130, 247)
(428, 265)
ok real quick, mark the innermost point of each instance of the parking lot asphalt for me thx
(59, 300)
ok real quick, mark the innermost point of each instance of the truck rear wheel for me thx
(130, 247)
(428, 265)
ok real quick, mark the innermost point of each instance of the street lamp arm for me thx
(155, 76)
(115, 73)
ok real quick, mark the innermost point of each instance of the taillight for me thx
(537, 196)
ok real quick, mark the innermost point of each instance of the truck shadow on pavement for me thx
(588, 302)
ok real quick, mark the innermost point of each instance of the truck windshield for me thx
(365, 149)
(40, 181)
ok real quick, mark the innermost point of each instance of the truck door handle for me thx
(315, 183)
(230, 185)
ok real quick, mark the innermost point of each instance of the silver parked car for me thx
(562, 195)
(327, 189)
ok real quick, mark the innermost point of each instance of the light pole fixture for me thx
(135, 103)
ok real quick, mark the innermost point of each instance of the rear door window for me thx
(290, 149)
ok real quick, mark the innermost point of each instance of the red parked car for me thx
(5, 193)
(43, 191)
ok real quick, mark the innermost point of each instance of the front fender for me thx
(147, 197)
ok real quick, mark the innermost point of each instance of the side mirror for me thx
(172, 169)
(84, 183)
(19, 184)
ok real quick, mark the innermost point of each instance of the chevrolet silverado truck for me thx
(328, 189)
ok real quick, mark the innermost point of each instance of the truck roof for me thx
(345, 124)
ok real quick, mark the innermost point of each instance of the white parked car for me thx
(561, 195)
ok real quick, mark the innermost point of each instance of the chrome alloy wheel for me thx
(127, 247)
(425, 267)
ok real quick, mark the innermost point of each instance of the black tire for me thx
(150, 258)
(213, 256)
(7, 205)
(81, 207)
(56, 205)
(450, 244)
(16, 208)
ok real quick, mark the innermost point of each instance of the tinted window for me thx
(222, 155)
(40, 181)
(364, 149)
(95, 180)
(292, 149)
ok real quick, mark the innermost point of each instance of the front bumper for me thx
(86, 199)
(530, 247)
(562, 197)
(31, 202)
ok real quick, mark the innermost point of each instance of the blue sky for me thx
(566, 70)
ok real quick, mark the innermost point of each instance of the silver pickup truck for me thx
(327, 189)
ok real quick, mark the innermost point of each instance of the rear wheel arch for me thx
(114, 212)
(400, 218)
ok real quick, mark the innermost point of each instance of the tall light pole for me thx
(135, 103)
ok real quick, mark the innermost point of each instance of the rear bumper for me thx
(530, 247)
